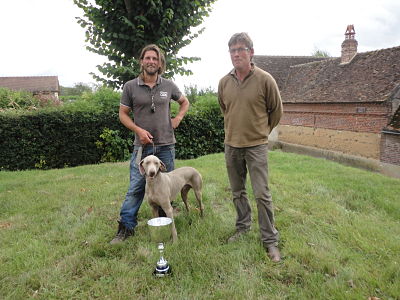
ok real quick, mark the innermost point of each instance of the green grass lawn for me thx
(339, 227)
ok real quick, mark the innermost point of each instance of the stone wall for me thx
(363, 144)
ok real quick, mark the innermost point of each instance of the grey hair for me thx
(241, 37)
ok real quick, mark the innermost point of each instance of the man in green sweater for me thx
(251, 104)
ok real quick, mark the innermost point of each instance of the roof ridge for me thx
(41, 76)
(293, 56)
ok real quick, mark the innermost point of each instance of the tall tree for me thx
(119, 29)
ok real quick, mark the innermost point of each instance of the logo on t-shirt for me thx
(163, 94)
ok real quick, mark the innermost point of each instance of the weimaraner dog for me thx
(162, 188)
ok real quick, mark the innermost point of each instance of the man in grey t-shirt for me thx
(148, 98)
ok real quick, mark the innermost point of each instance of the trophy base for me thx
(166, 271)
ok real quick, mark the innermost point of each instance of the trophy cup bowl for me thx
(160, 232)
(160, 229)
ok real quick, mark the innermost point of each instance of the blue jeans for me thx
(135, 194)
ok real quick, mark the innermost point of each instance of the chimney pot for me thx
(349, 45)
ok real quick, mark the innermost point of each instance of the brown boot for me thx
(274, 254)
(122, 234)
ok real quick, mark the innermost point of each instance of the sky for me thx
(42, 37)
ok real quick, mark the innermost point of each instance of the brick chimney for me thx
(349, 45)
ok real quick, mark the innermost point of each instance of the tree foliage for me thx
(320, 53)
(119, 29)
(77, 90)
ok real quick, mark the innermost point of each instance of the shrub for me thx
(17, 100)
(88, 131)
(53, 138)
(201, 132)
(114, 148)
(193, 93)
(78, 89)
(104, 98)
(69, 98)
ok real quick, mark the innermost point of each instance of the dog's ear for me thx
(141, 169)
(163, 168)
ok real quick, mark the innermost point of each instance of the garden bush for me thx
(88, 131)
(53, 139)
(17, 100)
(201, 132)
(114, 147)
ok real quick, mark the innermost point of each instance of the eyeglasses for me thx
(238, 50)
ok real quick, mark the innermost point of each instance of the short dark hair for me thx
(241, 37)
(161, 57)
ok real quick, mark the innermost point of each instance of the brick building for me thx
(43, 87)
(348, 104)
(390, 140)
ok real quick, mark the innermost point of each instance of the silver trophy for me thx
(160, 232)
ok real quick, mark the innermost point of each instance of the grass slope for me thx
(339, 226)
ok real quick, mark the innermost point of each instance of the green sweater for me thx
(251, 108)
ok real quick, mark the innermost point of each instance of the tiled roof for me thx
(278, 66)
(369, 77)
(34, 84)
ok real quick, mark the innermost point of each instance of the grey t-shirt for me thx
(137, 96)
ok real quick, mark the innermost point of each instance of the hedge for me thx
(201, 132)
(52, 139)
(61, 138)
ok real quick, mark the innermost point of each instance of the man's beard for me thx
(150, 72)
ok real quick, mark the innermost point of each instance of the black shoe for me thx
(122, 234)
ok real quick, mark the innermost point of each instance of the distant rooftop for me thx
(34, 84)
(369, 77)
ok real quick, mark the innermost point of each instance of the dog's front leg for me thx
(154, 209)
(173, 230)
(170, 214)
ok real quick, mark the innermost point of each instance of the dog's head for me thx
(150, 166)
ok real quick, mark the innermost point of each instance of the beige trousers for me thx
(255, 161)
